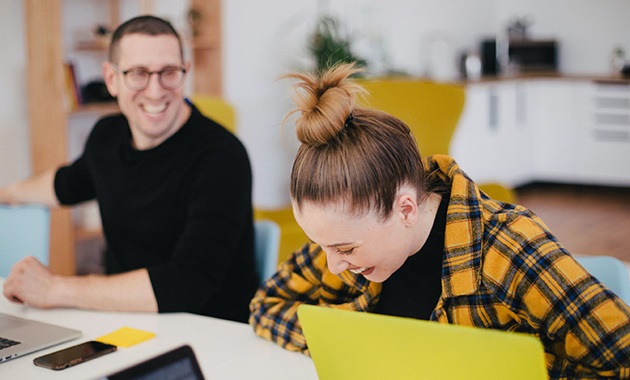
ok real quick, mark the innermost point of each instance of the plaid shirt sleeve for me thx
(505, 270)
(584, 327)
(304, 279)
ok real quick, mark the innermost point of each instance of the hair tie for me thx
(349, 120)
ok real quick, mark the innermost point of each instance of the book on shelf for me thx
(72, 96)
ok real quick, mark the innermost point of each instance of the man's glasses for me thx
(137, 79)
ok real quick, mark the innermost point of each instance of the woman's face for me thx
(360, 243)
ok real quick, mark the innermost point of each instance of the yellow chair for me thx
(432, 111)
(217, 109)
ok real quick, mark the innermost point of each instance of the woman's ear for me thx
(407, 207)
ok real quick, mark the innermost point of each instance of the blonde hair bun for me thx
(324, 102)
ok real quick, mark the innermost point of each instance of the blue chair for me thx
(611, 272)
(266, 248)
(24, 231)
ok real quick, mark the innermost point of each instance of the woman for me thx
(394, 234)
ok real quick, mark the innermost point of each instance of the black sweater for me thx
(414, 290)
(182, 210)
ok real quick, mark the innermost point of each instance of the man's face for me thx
(154, 113)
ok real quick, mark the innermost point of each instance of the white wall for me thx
(265, 39)
(15, 162)
(257, 49)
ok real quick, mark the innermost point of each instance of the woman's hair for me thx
(349, 153)
(148, 25)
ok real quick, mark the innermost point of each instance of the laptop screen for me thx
(177, 364)
(353, 345)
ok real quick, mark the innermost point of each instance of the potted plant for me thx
(329, 46)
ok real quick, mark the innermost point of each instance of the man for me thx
(174, 191)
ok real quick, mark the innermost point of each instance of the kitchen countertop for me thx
(604, 79)
(612, 79)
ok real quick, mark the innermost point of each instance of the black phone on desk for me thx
(74, 355)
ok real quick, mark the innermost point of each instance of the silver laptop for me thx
(20, 336)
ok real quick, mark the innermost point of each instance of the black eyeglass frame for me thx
(150, 73)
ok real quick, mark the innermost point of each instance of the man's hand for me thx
(31, 283)
(5, 196)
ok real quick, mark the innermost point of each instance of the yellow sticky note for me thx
(126, 337)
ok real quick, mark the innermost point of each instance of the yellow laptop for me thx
(355, 345)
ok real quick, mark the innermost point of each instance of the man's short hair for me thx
(148, 25)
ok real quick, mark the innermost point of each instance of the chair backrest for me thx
(266, 248)
(24, 231)
(430, 109)
(216, 108)
(499, 192)
(611, 271)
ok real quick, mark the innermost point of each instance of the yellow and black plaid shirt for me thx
(502, 269)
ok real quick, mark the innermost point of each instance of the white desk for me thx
(225, 350)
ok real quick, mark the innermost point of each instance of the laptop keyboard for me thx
(5, 343)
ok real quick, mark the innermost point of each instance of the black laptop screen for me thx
(177, 364)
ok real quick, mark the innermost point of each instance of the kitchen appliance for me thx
(518, 56)
(488, 55)
(470, 66)
(527, 55)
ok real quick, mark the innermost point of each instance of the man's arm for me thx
(37, 189)
(32, 283)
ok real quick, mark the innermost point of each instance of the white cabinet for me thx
(492, 142)
(603, 138)
(553, 124)
(514, 145)
(470, 144)
(555, 130)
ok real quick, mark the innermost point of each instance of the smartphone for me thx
(74, 355)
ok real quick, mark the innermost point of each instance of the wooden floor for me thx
(586, 219)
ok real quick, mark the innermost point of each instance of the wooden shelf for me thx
(208, 42)
(92, 45)
(83, 234)
(207, 46)
(100, 108)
